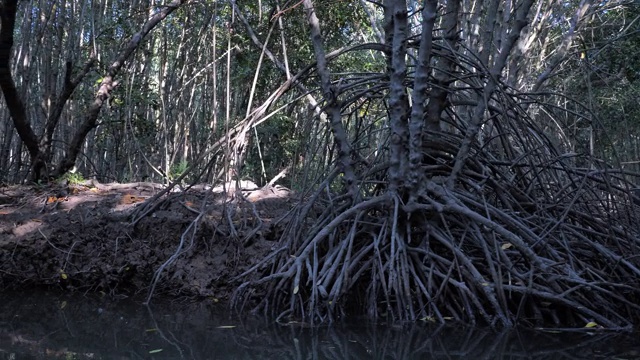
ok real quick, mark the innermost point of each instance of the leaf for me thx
(155, 351)
(63, 305)
(591, 324)
(151, 330)
(295, 290)
(505, 246)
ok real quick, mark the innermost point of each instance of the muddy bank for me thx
(106, 238)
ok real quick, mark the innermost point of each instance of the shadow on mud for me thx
(52, 326)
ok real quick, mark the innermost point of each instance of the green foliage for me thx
(603, 76)
(74, 177)
(178, 169)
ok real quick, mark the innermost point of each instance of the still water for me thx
(54, 326)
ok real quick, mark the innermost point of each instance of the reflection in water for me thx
(47, 326)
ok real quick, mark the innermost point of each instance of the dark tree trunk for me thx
(14, 103)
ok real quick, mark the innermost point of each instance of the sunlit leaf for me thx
(505, 246)
(155, 351)
(295, 290)
(591, 324)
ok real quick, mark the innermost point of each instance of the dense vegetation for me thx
(469, 160)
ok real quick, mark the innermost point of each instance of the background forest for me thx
(211, 64)
(469, 157)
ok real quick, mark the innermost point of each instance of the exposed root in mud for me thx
(551, 247)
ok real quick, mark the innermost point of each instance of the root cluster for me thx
(535, 242)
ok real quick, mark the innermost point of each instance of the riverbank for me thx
(119, 239)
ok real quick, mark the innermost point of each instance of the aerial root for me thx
(472, 254)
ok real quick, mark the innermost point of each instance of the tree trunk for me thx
(14, 102)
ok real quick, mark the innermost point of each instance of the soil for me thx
(115, 238)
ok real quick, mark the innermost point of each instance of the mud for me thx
(111, 238)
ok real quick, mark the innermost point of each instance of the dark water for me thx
(54, 326)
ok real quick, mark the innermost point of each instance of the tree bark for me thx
(396, 30)
(419, 95)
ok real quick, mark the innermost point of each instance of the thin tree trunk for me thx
(108, 84)
(443, 73)
(419, 95)
(53, 118)
(331, 97)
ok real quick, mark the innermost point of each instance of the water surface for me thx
(44, 325)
